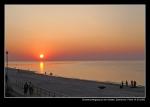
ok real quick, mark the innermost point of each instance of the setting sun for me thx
(41, 56)
(61, 50)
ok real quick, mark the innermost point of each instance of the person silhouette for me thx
(25, 88)
(122, 83)
(134, 83)
(121, 86)
(51, 74)
(30, 89)
(131, 83)
(126, 83)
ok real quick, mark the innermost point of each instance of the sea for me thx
(113, 71)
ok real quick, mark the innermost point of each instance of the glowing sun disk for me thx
(41, 56)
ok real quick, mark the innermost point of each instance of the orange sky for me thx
(69, 32)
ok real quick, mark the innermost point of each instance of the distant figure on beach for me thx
(134, 83)
(121, 86)
(126, 83)
(45, 73)
(25, 88)
(30, 89)
(122, 83)
(51, 74)
(131, 83)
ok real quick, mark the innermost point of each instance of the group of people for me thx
(133, 84)
(28, 87)
(49, 73)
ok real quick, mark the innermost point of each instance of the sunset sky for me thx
(75, 32)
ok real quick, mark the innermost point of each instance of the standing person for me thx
(30, 89)
(121, 86)
(134, 83)
(25, 88)
(131, 83)
(126, 83)
(122, 83)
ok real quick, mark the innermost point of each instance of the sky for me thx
(75, 32)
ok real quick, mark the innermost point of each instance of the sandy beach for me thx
(53, 86)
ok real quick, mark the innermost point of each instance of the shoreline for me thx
(75, 87)
(35, 72)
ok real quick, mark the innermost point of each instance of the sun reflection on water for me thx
(42, 67)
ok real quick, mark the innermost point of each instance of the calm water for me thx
(113, 71)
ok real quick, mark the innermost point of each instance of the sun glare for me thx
(41, 56)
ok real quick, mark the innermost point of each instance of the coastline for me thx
(70, 87)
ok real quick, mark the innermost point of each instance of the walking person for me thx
(25, 89)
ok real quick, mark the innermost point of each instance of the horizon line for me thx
(82, 60)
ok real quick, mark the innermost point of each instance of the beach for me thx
(54, 86)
